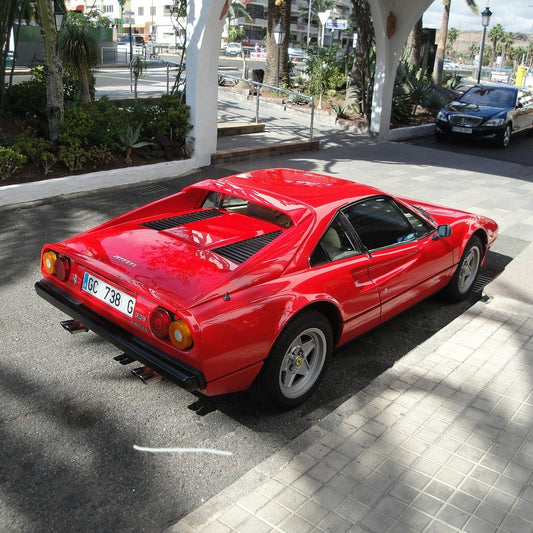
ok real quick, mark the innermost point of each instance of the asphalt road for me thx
(71, 414)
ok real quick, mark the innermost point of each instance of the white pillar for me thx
(403, 15)
(205, 21)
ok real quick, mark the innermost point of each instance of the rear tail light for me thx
(62, 267)
(57, 265)
(164, 326)
(160, 321)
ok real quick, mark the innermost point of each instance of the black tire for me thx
(504, 138)
(463, 279)
(297, 362)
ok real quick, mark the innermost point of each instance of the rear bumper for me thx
(191, 379)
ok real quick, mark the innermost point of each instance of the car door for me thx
(340, 268)
(407, 261)
(524, 110)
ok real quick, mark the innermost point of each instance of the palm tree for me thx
(496, 34)
(473, 51)
(279, 11)
(441, 48)
(414, 45)
(236, 9)
(453, 34)
(79, 51)
(361, 82)
(507, 41)
(10, 12)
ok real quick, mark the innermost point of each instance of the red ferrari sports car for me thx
(251, 281)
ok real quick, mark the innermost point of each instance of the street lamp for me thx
(279, 36)
(309, 23)
(58, 15)
(485, 21)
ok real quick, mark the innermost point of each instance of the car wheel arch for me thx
(328, 309)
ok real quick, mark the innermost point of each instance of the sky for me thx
(513, 15)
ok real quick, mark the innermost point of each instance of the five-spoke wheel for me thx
(297, 361)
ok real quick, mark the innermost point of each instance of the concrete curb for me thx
(40, 190)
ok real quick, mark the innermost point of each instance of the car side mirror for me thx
(444, 230)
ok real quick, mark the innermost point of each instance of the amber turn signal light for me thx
(180, 334)
(49, 262)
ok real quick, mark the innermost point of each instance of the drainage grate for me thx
(150, 189)
(480, 283)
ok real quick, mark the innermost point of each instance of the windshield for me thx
(489, 96)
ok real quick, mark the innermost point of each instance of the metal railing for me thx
(257, 92)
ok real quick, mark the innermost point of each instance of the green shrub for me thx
(99, 156)
(27, 98)
(107, 119)
(73, 157)
(164, 117)
(32, 146)
(77, 126)
(48, 160)
(10, 162)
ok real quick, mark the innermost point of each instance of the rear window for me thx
(245, 207)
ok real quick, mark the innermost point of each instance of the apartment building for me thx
(157, 20)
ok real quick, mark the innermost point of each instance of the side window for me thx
(379, 223)
(335, 244)
(420, 226)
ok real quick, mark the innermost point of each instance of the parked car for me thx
(297, 55)
(137, 44)
(450, 65)
(234, 49)
(251, 281)
(493, 112)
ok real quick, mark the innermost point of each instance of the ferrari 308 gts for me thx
(251, 281)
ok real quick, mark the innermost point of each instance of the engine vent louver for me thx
(181, 220)
(243, 250)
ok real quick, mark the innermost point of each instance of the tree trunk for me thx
(277, 56)
(441, 48)
(415, 45)
(361, 82)
(8, 10)
(85, 88)
(53, 69)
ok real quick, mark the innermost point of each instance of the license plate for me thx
(458, 129)
(108, 294)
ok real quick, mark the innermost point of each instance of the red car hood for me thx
(185, 264)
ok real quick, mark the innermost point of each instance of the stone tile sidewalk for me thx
(441, 442)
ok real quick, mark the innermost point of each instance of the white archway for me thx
(393, 21)
(205, 20)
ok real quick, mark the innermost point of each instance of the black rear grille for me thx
(243, 250)
(181, 220)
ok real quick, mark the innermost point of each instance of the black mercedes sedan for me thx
(493, 112)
